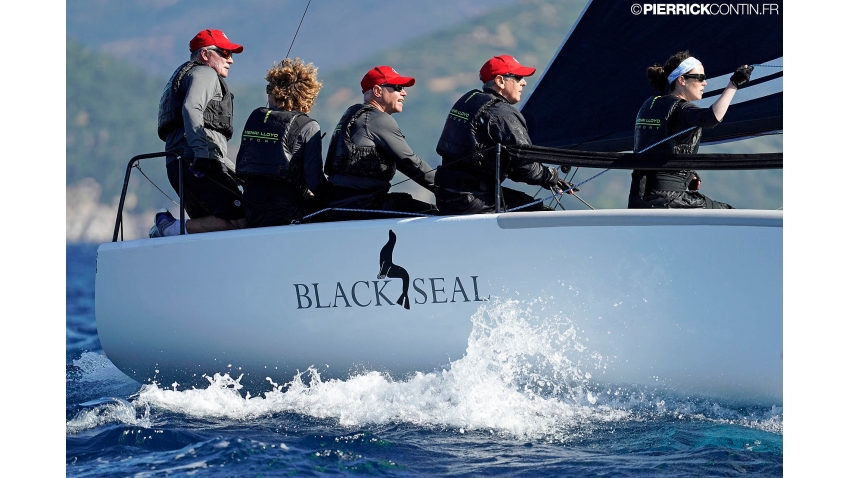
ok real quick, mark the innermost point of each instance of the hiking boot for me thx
(162, 220)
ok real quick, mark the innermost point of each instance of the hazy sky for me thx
(155, 34)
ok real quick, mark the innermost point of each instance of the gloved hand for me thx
(201, 166)
(695, 182)
(741, 75)
(556, 184)
(552, 182)
(567, 186)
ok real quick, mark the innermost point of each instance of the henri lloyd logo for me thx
(705, 9)
(431, 290)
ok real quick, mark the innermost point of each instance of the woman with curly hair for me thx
(671, 123)
(280, 157)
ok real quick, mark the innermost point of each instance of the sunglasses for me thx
(226, 54)
(699, 77)
(395, 87)
(517, 78)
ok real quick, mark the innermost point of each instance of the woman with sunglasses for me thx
(671, 123)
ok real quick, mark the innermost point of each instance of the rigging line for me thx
(568, 191)
(535, 202)
(355, 198)
(416, 214)
(556, 199)
(574, 145)
(665, 139)
(299, 28)
(526, 205)
(409, 178)
(639, 152)
(583, 201)
(137, 166)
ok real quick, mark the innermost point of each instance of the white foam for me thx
(114, 410)
(526, 373)
(520, 375)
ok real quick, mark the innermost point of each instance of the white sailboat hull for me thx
(689, 300)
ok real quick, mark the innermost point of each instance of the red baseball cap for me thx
(214, 38)
(384, 75)
(503, 65)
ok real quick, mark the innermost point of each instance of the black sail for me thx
(589, 94)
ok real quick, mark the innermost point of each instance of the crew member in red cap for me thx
(196, 121)
(367, 147)
(466, 179)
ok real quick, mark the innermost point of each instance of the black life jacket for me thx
(655, 123)
(344, 157)
(462, 143)
(267, 143)
(218, 114)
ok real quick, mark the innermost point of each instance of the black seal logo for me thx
(388, 269)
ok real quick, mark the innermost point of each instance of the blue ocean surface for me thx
(495, 411)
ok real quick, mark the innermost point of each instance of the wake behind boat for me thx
(687, 300)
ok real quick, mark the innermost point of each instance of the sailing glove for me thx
(741, 75)
(557, 184)
(695, 182)
(567, 186)
(200, 166)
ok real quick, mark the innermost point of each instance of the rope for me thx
(416, 214)
(569, 191)
(299, 28)
(409, 178)
(583, 201)
(137, 166)
(665, 139)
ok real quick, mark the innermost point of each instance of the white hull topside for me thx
(687, 299)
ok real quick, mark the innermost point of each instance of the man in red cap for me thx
(466, 179)
(367, 147)
(196, 121)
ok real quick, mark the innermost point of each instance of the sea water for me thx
(524, 400)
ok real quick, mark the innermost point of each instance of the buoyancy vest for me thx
(268, 141)
(461, 143)
(654, 124)
(218, 114)
(344, 157)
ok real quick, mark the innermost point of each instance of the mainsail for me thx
(589, 94)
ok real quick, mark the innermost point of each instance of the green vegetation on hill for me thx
(111, 110)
